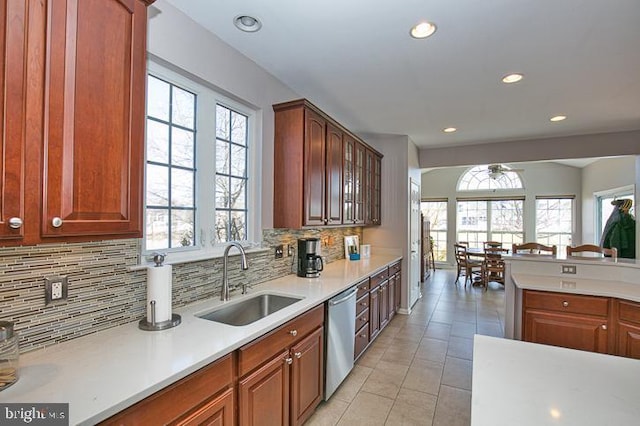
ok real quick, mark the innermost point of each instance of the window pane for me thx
(554, 222)
(238, 128)
(436, 213)
(182, 226)
(222, 222)
(184, 110)
(222, 157)
(222, 192)
(237, 228)
(157, 98)
(157, 142)
(238, 161)
(223, 119)
(182, 148)
(157, 185)
(237, 197)
(182, 188)
(157, 232)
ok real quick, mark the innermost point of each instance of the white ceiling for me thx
(355, 60)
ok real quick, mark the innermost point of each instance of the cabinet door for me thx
(307, 376)
(628, 340)
(13, 15)
(398, 291)
(348, 210)
(314, 168)
(566, 330)
(374, 314)
(392, 296)
(384, 304)
(359, 183)
(94, 118)
(217, 412)
(376, 191)
(263, 396)
(334, 176)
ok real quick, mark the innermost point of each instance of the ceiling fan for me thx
(497, 170)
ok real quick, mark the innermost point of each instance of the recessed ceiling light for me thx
(247, 23)
(558, 118)
(423, 30)
(449, 130)
(512, 78)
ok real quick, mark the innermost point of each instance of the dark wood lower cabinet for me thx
(217, 412)
(567, 330)
(263, 396)
(307, 376)
(384, 304)
(374, 314)
(628, 324)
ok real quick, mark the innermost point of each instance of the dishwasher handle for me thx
(344, 299)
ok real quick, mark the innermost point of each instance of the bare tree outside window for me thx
(436, 214)
(231, 175)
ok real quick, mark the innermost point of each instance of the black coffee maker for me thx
(309, 262)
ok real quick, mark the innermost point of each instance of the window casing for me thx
(436, 213)
(490, 220)
(223, 166)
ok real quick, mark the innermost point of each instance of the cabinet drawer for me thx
(362, 304)
(362, 340)
(253, 354)
(363, 288)
(362, 319)
(394, 268)
(629, 311)
(563, 302)
(379, 278)
(168, 404)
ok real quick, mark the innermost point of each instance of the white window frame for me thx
(622, 191)
(206, 100)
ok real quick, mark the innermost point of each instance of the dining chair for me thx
(590, 248)
(492, 244)
(493, 268)
(534, 248)
(464, 263)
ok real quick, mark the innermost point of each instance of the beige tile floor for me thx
(418, 370)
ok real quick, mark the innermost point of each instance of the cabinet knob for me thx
(56, 222)
(15, 223)
(603, 326)
(288, 360)
(294, 333)
(565, 303)
(298, 355)
(363, 335)
(363, 304)
(326, 221)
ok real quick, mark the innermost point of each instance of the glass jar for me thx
(9, 354)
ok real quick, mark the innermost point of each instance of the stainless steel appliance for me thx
(309, 260)
(341, 318)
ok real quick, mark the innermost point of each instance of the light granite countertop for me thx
(521, 383)
(103, 373)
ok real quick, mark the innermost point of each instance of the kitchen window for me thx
(490, 220)
(435, 211)
(200, 160)
(554, 221)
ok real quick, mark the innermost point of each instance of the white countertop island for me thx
(103, 373)
(527, 384)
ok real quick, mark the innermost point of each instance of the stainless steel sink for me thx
(249, 310)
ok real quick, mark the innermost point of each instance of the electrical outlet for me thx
(55, 289)
(289, 250)
(279, 251)
(568, 269)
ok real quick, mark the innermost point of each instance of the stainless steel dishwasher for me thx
(341, 314)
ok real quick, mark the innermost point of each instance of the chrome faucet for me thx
(244, 265)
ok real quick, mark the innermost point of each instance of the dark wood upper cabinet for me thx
(94, 114)
(319, 169)
(73, 73)
(13, 41)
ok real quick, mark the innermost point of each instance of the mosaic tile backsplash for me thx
(103, 293)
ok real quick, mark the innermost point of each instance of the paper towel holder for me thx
(175, 320)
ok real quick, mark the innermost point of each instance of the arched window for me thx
(488, 177)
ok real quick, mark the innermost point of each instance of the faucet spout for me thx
(244, 265)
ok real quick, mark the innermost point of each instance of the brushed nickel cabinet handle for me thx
(56, 222)
(15, 223)
(565, 303)
(294, 333)
(298, 355)
(288, 360)
(603, 326)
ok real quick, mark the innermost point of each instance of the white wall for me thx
(400, 162)
(176, 39)
(603, 175)
(539, 178)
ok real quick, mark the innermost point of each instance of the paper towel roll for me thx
(159, 289)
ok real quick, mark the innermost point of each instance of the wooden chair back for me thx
(491, 245)
(534, 248)
(493, 267)
(461, 254)
(590, 248)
